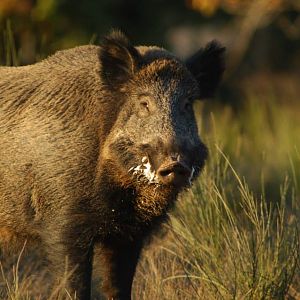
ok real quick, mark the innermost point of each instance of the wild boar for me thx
(96, 142)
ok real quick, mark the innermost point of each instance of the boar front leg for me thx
(70, 253)
(118, 264)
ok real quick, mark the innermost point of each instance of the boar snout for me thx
(175, 173)
(170, 160)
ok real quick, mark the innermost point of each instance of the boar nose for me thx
(174, 173)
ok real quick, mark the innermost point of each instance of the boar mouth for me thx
(144, 173)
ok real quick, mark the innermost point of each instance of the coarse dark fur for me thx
(74, 127)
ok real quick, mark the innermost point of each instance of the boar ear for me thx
(207, 66)
(119, 59)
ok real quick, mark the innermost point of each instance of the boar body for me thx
(93, 152)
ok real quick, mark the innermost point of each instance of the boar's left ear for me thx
(119, 59)
(207, 66)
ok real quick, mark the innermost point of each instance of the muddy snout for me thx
(175, 173)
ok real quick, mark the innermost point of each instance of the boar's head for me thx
(153, 140)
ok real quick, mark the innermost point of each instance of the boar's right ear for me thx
(207, 65)
(119, 59)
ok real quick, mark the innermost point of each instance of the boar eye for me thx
(144, 105)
